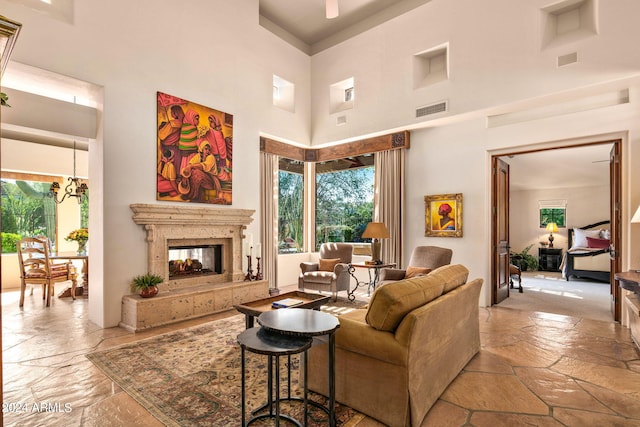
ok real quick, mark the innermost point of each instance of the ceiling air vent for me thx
(431, 109)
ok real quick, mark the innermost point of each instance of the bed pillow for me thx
(593, 242)
(580, 237)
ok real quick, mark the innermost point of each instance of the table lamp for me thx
(376, 231)
(551, 228)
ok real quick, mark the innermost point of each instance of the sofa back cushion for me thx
(391, 302)
(453, 275)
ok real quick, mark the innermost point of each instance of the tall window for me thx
(290, 206)
(344, 199)
(26, 211)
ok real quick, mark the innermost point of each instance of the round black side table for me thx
(262, 341)
(299, 322)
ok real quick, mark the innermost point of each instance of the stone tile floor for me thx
(534, 369)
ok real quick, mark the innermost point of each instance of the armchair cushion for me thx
(416, 271)
(391, 303)
(325, 277)
(328, 264)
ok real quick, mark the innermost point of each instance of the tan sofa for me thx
(396, 357)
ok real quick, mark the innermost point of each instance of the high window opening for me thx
(344, 199)
(290, 206)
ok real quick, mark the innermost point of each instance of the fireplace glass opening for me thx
(194, 260)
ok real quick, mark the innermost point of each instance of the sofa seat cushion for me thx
(390, 303)
(356, 336)
(319, 276)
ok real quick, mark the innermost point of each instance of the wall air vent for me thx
(431, 109)
(341, 120)
(567, 59)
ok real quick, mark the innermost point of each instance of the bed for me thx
(588, 256)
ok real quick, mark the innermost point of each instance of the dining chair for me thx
(37, 269)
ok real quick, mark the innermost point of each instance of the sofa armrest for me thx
(357, 336)
(305, 267)
(392, 274)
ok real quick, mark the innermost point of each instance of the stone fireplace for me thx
(198, 252)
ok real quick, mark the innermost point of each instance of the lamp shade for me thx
(636, 216)
(376, 230)
(552, 227)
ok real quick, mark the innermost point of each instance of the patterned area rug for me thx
(192, 377)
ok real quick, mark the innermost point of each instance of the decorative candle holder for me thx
(258, 275)
(248, 277)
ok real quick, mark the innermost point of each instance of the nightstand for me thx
(549, 259)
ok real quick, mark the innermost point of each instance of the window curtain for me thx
(269, 217)
(389, 201)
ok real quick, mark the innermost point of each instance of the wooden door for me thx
(500, 240)
(616, 232)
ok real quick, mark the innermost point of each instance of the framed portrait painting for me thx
(443, 215)
(195, 152)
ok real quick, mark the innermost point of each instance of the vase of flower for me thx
(81, 237)
(82, 247)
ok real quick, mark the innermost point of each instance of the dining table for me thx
(84, 284)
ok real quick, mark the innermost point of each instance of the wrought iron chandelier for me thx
(76, 188)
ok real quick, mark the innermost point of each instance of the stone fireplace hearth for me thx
(184, 296)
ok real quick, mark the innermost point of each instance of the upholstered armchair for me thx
(423, 260)
(331, 272)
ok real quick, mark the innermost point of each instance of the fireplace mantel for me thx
(171, 223)
(185, 298)
(145, 214)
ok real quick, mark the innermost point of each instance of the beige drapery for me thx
(389, 201)
(269, 217)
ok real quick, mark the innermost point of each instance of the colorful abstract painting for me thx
(195, 152)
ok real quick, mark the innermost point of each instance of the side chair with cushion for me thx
(36, 269)
(331, 272)
(423, 260)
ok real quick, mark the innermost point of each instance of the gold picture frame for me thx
(443, 215)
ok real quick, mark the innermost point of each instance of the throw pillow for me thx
(416, 271)
(580, 237)
(593, 242)
(328, 264)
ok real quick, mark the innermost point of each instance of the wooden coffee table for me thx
(255, 308)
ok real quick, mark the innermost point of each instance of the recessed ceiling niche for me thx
(284, 94)
(341, 95)
(431, 66)
(569, 21)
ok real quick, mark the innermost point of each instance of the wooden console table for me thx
(630, 281)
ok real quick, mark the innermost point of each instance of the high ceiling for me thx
(304, 24)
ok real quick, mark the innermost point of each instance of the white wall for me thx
(213, 52)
